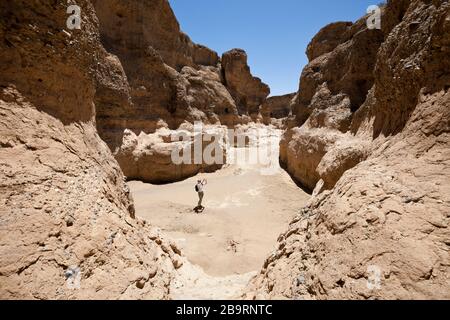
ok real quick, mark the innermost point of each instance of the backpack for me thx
(196, 188)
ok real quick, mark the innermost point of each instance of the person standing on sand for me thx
(199, 189)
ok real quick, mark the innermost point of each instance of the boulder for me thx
(155, 158)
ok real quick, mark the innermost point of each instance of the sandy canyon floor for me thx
(246, 210)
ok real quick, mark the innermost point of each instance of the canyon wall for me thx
(171, 82)
(372, 138)
(277, 108)
(67, 227)
(248, 91)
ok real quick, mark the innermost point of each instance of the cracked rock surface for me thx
(67, 226)
(380, 170)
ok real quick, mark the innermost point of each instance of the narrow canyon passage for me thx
(98, 96)
(246, 210)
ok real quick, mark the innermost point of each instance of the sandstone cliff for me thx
(249, 92)
(372, 138)
(277, 108)
(332, 87)
(170, 82)
(168, 75)
(66, 216)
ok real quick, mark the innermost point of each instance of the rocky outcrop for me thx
(67, 227)
(204, 87)
(171, 79)
(248, 91)
(130, 26)
(277, 107)
(328, 38)
(170, 82)
(167, 156)
(346, 70)
(315, 151)
(333, 86)
(381, 230)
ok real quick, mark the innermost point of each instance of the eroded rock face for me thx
(329, 38)
(170, 81)
(208, 99)
(67, 226)
(333, 86)
(131, 25)
(170, 155)
(322, 148)
(158, 59)
(248, 91)
(346, 70)
(278, 107)
(382, 231)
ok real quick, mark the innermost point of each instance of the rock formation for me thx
(170, 82)
(372, 138)
(368, 135)
(154, 157)
(168, 75)
(249, 92)
(66, 216)
(130, 73)
(277, 107)
(332, 87)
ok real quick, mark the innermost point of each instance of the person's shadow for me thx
(199, 209)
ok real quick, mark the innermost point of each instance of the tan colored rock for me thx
(329, 38)
(170, 80)
(333, 86)
(278, 107)
(382, 231)
(347, 70)
(208, 100)
(345, 154)
(248, 91)
(321, 149)
(67, 229)
(151, 157)
(302, 150)
(130, 26)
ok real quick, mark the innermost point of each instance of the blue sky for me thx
(274, 34)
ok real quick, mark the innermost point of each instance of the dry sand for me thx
(225, 245)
